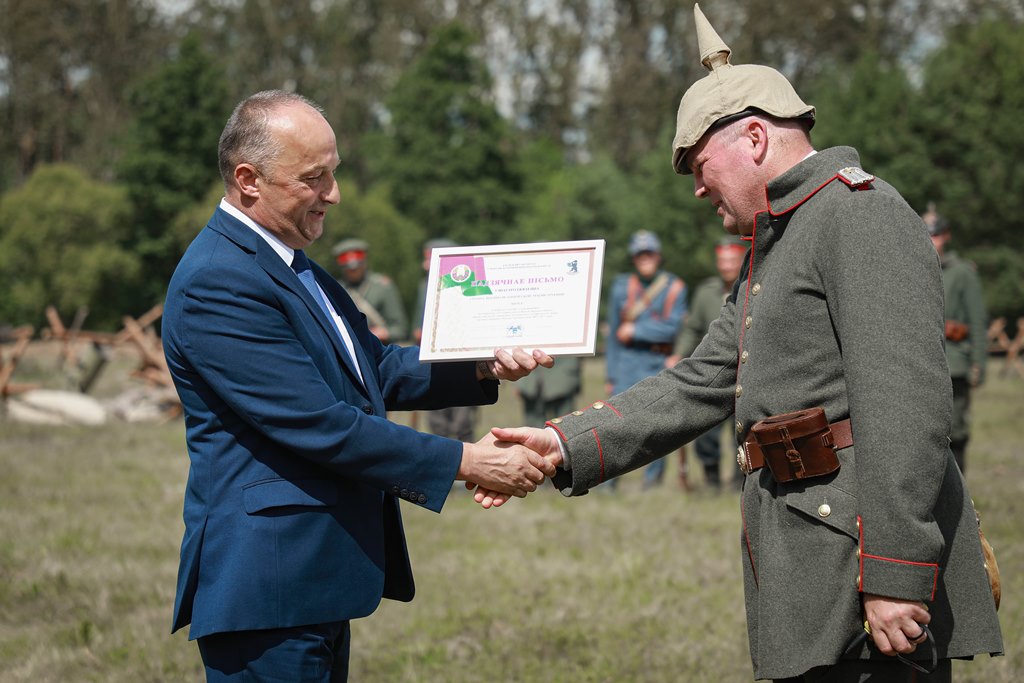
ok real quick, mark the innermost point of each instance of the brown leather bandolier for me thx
(797, 445)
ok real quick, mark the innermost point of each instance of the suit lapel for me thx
(347, 310)
(269, 260)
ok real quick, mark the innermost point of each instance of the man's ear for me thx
(246, 178)
(755, 132)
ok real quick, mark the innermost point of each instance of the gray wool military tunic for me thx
(840, 305)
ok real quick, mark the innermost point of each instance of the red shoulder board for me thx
(856, 178)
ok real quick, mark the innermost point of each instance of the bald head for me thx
(249, 135)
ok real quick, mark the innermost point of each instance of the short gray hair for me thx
(246, 137)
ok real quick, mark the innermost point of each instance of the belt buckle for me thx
(743, 459)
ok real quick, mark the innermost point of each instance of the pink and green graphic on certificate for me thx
(465, 272)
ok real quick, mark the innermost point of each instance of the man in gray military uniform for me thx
(706, 304)
(374, 294)
(552, 392)
(838, 313)
(965, 329)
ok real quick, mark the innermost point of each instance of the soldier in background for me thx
(966, 324)
(374, 294)
(645, 311)
(552, 392)
(447, 421)
(705, 307)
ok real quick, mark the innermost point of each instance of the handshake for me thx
(508, 462)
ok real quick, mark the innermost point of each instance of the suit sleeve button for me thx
(422, 498)
(368, 409)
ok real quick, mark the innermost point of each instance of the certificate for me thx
(538, 296)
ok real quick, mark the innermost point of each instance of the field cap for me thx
(351, 253)
(642, 241)
(438, 243)
(729, 93)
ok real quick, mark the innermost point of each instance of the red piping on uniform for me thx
(560, 433)
(600, 454)
(935, 580)
(781, 213)
(746, 300)
(750, 269)
(614, 410)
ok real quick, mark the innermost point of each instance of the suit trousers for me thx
(304, 654)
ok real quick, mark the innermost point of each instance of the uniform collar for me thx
(789, 190)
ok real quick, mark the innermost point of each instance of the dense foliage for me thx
(483, 121)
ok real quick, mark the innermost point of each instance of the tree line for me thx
(479, 120)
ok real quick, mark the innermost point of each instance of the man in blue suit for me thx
(292, 523)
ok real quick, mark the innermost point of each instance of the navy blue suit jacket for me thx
(291, 507)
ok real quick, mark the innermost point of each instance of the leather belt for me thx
(751, 459)
(664, 349)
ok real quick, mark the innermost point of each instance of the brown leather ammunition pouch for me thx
(797, 445)
(956, 331)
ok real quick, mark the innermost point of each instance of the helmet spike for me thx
(713, 50)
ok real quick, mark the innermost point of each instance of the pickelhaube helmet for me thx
(728, 93)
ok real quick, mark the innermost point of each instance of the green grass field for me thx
(635, 586)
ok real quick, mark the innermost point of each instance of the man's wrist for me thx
(566, 465)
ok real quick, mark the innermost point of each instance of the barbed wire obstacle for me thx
(157, 400)
(22, 337)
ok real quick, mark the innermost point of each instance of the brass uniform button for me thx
(756, 289)
(739, 427)
(744, 356)
(748, 321)
(556, 421)
(598, 405)
(824, 510)
(577, 412)
(739, 390)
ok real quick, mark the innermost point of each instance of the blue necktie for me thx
(300, 264)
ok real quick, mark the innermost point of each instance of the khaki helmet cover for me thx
(728, 90)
